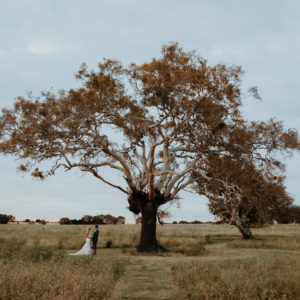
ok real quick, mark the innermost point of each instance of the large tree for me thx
(155, 123)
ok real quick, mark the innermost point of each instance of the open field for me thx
(204, 261)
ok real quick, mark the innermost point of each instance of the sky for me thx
(43, 43)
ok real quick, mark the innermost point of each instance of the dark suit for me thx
(95, 240)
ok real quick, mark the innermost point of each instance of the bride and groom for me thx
(86, 249)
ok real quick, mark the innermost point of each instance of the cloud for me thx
(49, 48)
(42, 44)
(230, 50)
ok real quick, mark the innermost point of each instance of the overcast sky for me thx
(43, 43)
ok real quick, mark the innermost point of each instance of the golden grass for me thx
(279, 243)
(42, 273)
(171, 236)
(275, 277)
(34, 264)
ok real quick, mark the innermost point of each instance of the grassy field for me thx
(204, 261)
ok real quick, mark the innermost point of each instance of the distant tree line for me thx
(99, 219)
(41, 221)
(285, 215)
(192, 222)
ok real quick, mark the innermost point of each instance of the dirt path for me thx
(147, 278)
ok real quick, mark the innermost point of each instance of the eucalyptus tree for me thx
(246, 195)
(155, 123)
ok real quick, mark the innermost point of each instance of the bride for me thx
(86, 249)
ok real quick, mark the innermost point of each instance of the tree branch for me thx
(105, 181)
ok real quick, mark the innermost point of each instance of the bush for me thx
(4, 219)
(108, 244)
(63, 221)
(43, 222)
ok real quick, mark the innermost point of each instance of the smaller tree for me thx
(243, 195)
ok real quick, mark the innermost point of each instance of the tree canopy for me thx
(158, 124)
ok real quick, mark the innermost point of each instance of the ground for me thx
(122, 273)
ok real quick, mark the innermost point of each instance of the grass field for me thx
(204, 261)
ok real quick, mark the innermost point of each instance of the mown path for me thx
(150, 277)
(147, 277)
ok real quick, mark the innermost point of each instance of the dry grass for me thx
(42, 273)
(33, 264)
(261, 278)
(121, 236)
(69, 236)
(279, 230)
(279, 243)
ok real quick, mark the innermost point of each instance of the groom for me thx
(95, 239)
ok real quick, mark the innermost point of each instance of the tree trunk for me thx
(245, 231)
(140, 203)
(241, 223)
(148, 241)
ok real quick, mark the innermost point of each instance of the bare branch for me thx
(181, 187)
(105, 181)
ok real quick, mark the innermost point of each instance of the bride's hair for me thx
(88, 230)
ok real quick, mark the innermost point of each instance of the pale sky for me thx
(43, 43)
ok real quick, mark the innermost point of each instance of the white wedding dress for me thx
(86, 249)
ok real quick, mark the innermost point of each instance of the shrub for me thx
(63, 221)
(4, 219)
(108, 244)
